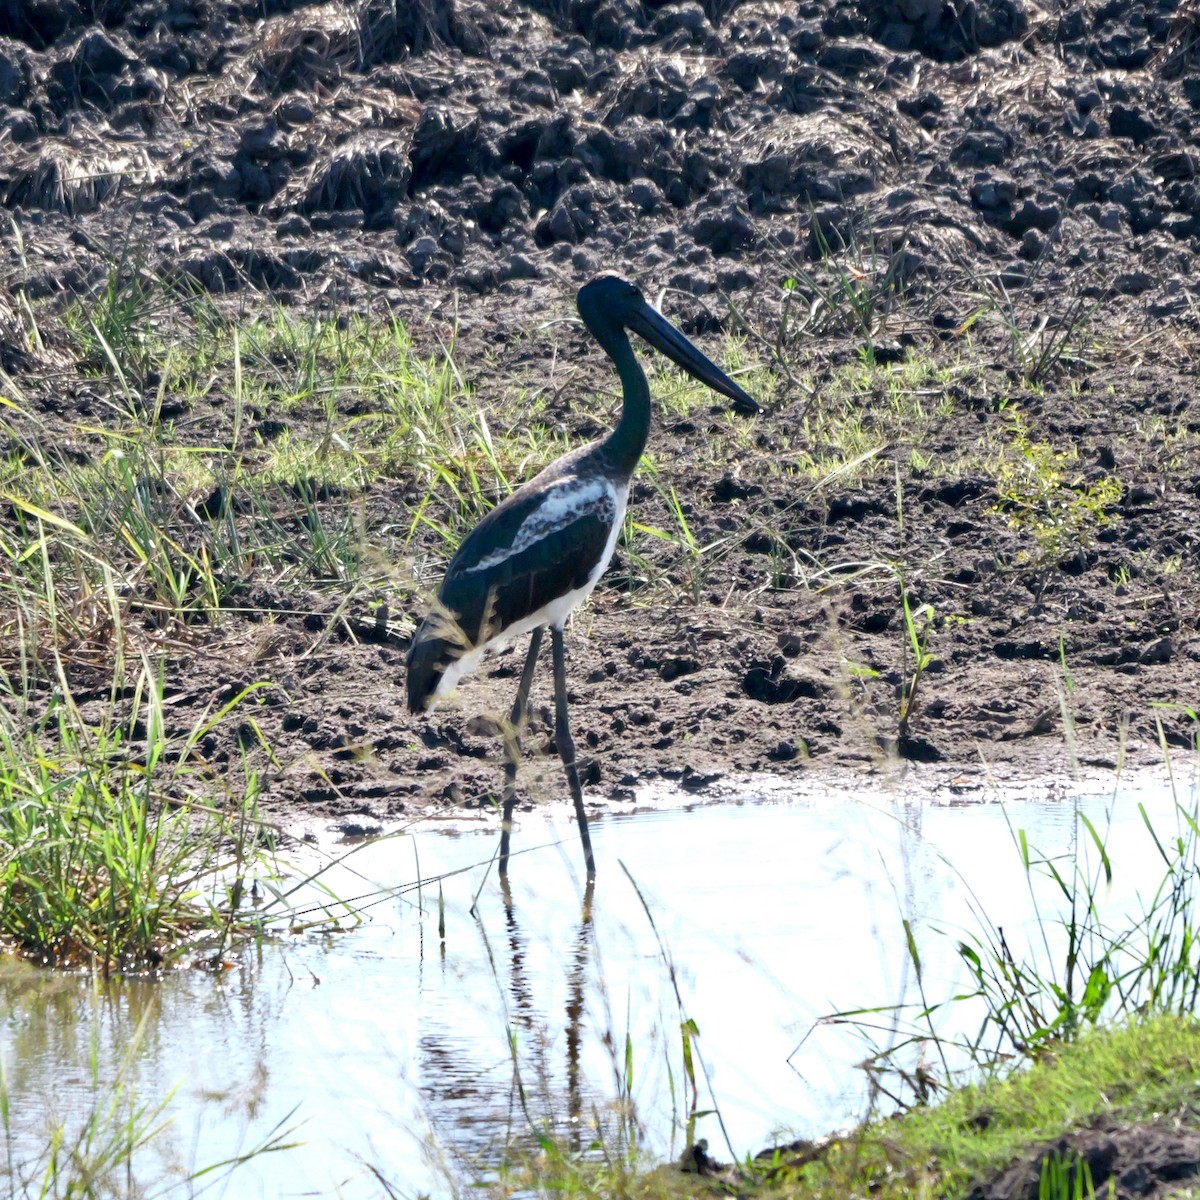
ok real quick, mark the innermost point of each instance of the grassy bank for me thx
(1141, 1077)
(1145, 1072)
(120, 848)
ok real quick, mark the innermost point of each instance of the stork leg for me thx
(566, 745)
(520, 712)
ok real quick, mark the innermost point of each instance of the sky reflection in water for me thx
(386, 1050)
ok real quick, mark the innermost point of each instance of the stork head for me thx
(610, 304)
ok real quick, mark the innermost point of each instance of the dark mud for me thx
(1123, 1161)
(470, 164)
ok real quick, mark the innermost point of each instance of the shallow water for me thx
(384, 1050)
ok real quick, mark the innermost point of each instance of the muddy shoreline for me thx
(1015, 198)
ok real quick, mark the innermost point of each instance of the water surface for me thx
(389, 1053)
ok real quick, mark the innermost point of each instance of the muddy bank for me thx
(1015, 190)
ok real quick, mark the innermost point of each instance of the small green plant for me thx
(1041, 494)
(1066, 1176)
(854, 289)
(1051, 342)
(687, 570)
(918, 627)
(915, 657)
(122, 329)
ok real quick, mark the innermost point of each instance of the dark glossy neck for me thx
(623, 447)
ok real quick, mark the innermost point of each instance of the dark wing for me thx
(428, 657)
(540, 544)
(519, 559)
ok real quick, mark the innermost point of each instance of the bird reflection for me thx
(485, 1099)
(524, 1008)
(575, 997)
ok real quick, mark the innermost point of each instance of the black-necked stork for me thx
(535, 557)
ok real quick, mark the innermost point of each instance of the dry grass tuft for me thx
(1176, 54)
(395, 29)
(361, 173)
(14, 343)
(319, 47)
(67, 178)
(360, 139)
(300, 50)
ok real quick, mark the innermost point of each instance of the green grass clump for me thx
(1140, 1071)
(113, 854)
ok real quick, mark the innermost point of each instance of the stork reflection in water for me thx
(536, 557)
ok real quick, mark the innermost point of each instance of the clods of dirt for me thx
(1126, 1162)
(492, 144)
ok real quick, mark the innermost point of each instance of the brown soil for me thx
(474, 162)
